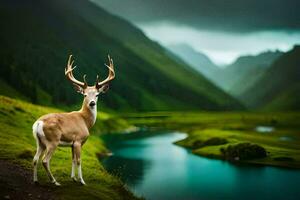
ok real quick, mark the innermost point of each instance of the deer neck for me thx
(88, 113)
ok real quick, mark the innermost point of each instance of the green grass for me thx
(18, 146)
(234, 127)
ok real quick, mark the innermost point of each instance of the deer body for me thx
(68, 129)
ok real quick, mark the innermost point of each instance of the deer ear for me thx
(104, 88)
(78, 89)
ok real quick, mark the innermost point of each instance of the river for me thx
(153, 167)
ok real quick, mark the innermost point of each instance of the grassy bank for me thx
(211, 133)
(18, 146)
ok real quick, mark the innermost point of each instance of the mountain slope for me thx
(287, 100)
(197, 60)
(244, 68)
(278, 88)
(158, 57)
(37, 36)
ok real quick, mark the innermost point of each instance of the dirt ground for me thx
(16, 183)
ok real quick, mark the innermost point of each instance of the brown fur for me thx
(68, 128)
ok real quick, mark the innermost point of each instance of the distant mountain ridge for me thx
(195, 59)
(244, 68)
(279, 87)
(37, 36)
(235, 78)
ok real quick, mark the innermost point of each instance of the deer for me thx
(70, 128)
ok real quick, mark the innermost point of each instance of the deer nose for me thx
(92, 103)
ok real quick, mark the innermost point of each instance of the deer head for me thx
(90, 92)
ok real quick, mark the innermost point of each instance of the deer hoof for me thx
(74, 179)
(82, 182)
(56, 183)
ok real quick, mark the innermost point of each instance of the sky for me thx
(222, 29)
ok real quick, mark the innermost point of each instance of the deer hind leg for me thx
(73, 176)
(77, 150)
(46, 163)
(40, 150)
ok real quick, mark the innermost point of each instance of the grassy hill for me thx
(278, 88)
(37, 37)
(17, 146)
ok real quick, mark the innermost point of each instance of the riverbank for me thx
(17, 148)
(211, 133)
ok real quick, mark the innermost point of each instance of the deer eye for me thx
(84, 95)
(97, 95)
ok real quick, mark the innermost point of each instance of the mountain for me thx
(279, 87)
(38, 35)
(197, 60)
(249, 68)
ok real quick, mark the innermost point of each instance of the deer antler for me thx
(111, 74)
(69, 74)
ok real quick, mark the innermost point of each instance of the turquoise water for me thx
(156, 169)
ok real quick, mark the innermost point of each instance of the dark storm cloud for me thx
(226, 15)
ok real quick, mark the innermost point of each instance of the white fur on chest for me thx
(94, 113)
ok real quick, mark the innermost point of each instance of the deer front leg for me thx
(77, 149)
(46, 163)
(73, 176)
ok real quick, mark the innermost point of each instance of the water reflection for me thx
(264, 129)
(130, 170)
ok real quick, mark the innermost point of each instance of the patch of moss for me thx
(26, 154)
(19, 109)
(214, 141)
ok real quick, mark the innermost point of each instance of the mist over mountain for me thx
(199, 61)
(37, 37)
